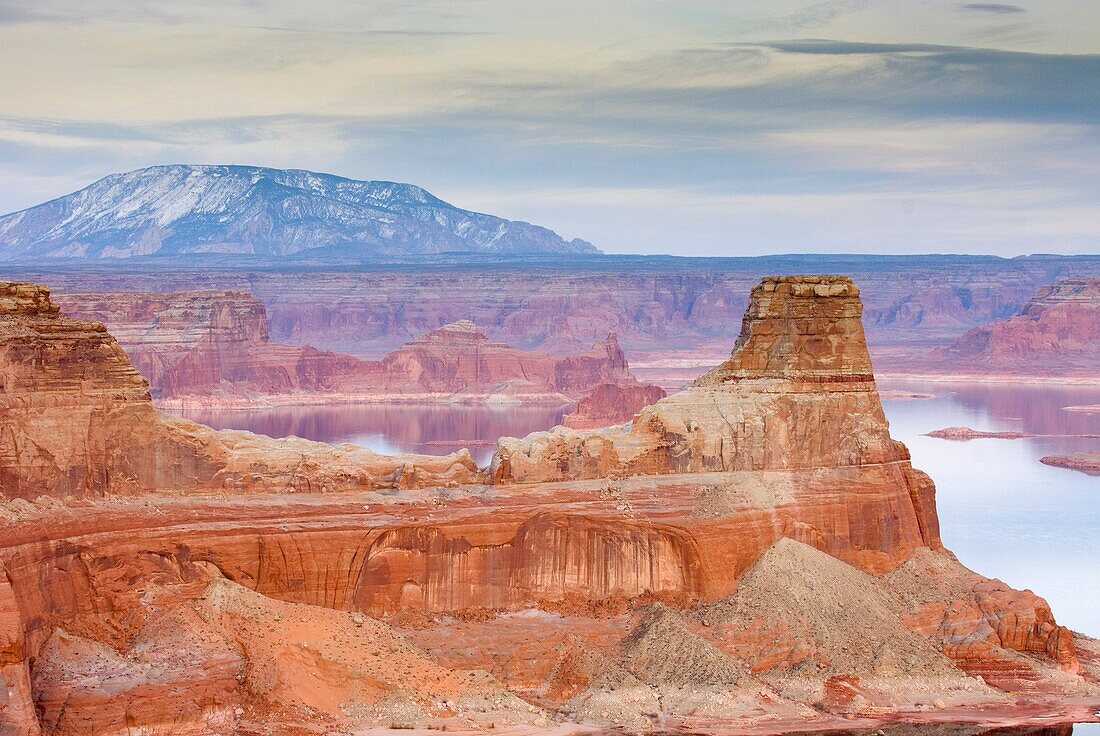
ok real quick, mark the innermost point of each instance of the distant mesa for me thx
(1057, 332)
(181, 209)
(212, 349)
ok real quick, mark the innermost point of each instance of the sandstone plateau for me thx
(212, 348)
(754, 553)
(654, 305)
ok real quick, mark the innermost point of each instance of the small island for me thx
(1084, 462)
(962, 434)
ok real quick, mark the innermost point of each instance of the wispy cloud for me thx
(657, 129)
(994, 8)
(815, 15)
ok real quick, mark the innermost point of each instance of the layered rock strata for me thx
(1056, 333)
(654, 304)
(611, 403)
(797, 394)
(76, 419)
(777, 567)
(212, 348)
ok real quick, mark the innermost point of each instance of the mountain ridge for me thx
(180, 209)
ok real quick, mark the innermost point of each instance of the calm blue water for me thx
(1002, 512)
(1005, 514)
(435, 429)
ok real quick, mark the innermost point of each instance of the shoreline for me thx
(278, 401)
(507, 401)
(973, 378)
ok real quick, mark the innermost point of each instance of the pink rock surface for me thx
(213, 348)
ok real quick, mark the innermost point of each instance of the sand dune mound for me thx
(850, 619)
(930, 576)
(663, 650)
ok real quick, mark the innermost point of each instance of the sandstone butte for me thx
(212, 348)
(753, 554)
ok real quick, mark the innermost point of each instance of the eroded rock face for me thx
(1057, 332)
(611, 403)
(17, 712)
(77, 420)
(758, 550)
(76, 416)
(212, 348)
(798, 392)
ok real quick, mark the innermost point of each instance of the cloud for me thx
(11, 15)
(994, 8)
(662, 130)
(812, 16)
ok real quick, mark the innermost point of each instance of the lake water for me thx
(1002, 512)
(390, 428)
(1005, 514)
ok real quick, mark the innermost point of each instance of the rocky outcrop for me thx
(1056, 333)
(460, 359)
(797, 393)
(963, 434)
(1085, 462)
(77, 420)
(982, 624)
(774, 562)
(610, 403)
(212, 348)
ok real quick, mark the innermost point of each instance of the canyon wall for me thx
(756, 550)
(1057, 332)
(654, 304)
(212, 348)
(76, 419)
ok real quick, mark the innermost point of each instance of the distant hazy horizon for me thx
(700, 128)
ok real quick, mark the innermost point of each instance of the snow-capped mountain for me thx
(169, 210)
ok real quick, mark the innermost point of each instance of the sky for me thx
(659, 126)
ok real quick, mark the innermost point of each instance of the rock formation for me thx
(756, 552)
(611, 403)
(963, 434)
(1085, 462)
(797, 393)
(212, 349)
(1056, 333)
(77, 420)
(654, 305)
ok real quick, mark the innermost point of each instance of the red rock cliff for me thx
(783, 549)
(76, 419)
(213, 347)
(797, 393)
(1057, 332)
